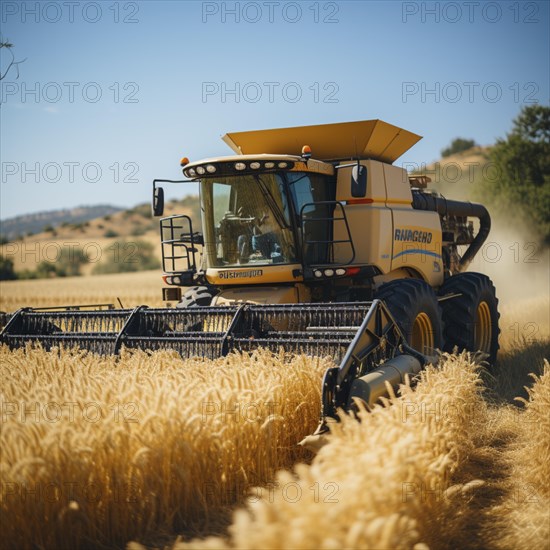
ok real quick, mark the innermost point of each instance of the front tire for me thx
(414, 306)
(197, 296)
(471, 320)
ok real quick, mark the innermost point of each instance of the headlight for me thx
(240, 166)
(269, 165)
(201, 170)
(191, 172)
(210, 168)
(255, 165)
(283, 164)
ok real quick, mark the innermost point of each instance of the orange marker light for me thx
(184, 161)
(306, 151)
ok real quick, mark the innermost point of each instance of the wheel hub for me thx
(422, 338)
(482, 329)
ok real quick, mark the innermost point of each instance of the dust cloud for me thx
(519, 267)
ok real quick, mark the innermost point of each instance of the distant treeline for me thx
(119, 257)
(520, 187)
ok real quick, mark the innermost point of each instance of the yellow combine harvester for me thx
(311, 240)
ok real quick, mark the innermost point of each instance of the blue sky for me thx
(164, 72)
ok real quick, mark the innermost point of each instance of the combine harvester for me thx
(342, 255)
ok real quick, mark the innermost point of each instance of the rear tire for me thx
(197, 296)
(471, 320)
(414, 306)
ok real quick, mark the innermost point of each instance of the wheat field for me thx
(133, 289)
(99, 453)
(404, 476)
(152, 451)
(99, 449)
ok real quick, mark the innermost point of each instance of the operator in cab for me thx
(259, 241)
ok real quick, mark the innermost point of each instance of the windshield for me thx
(247, 221)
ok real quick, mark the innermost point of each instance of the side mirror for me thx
(158, 201)
(359, 181)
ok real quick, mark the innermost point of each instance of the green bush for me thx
(110, 233)
(79, 226)
(143, 210)
(46, 270)
(138, 231)
(7, 273)
(457, 146)
(68, 264)
(126, 257)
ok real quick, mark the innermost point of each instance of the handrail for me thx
(329, 242)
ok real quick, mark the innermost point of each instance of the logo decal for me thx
(240, 274)
(413, 236)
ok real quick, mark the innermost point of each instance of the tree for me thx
(68, 264)
(138, 255)
(457, 146)
(7, 273)
(521, 181)
(533, 124)
(8, 45)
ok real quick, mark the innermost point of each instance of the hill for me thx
(459, 176)
(12, 228)
(111, 237)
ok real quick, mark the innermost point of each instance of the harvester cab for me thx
(313, 241)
